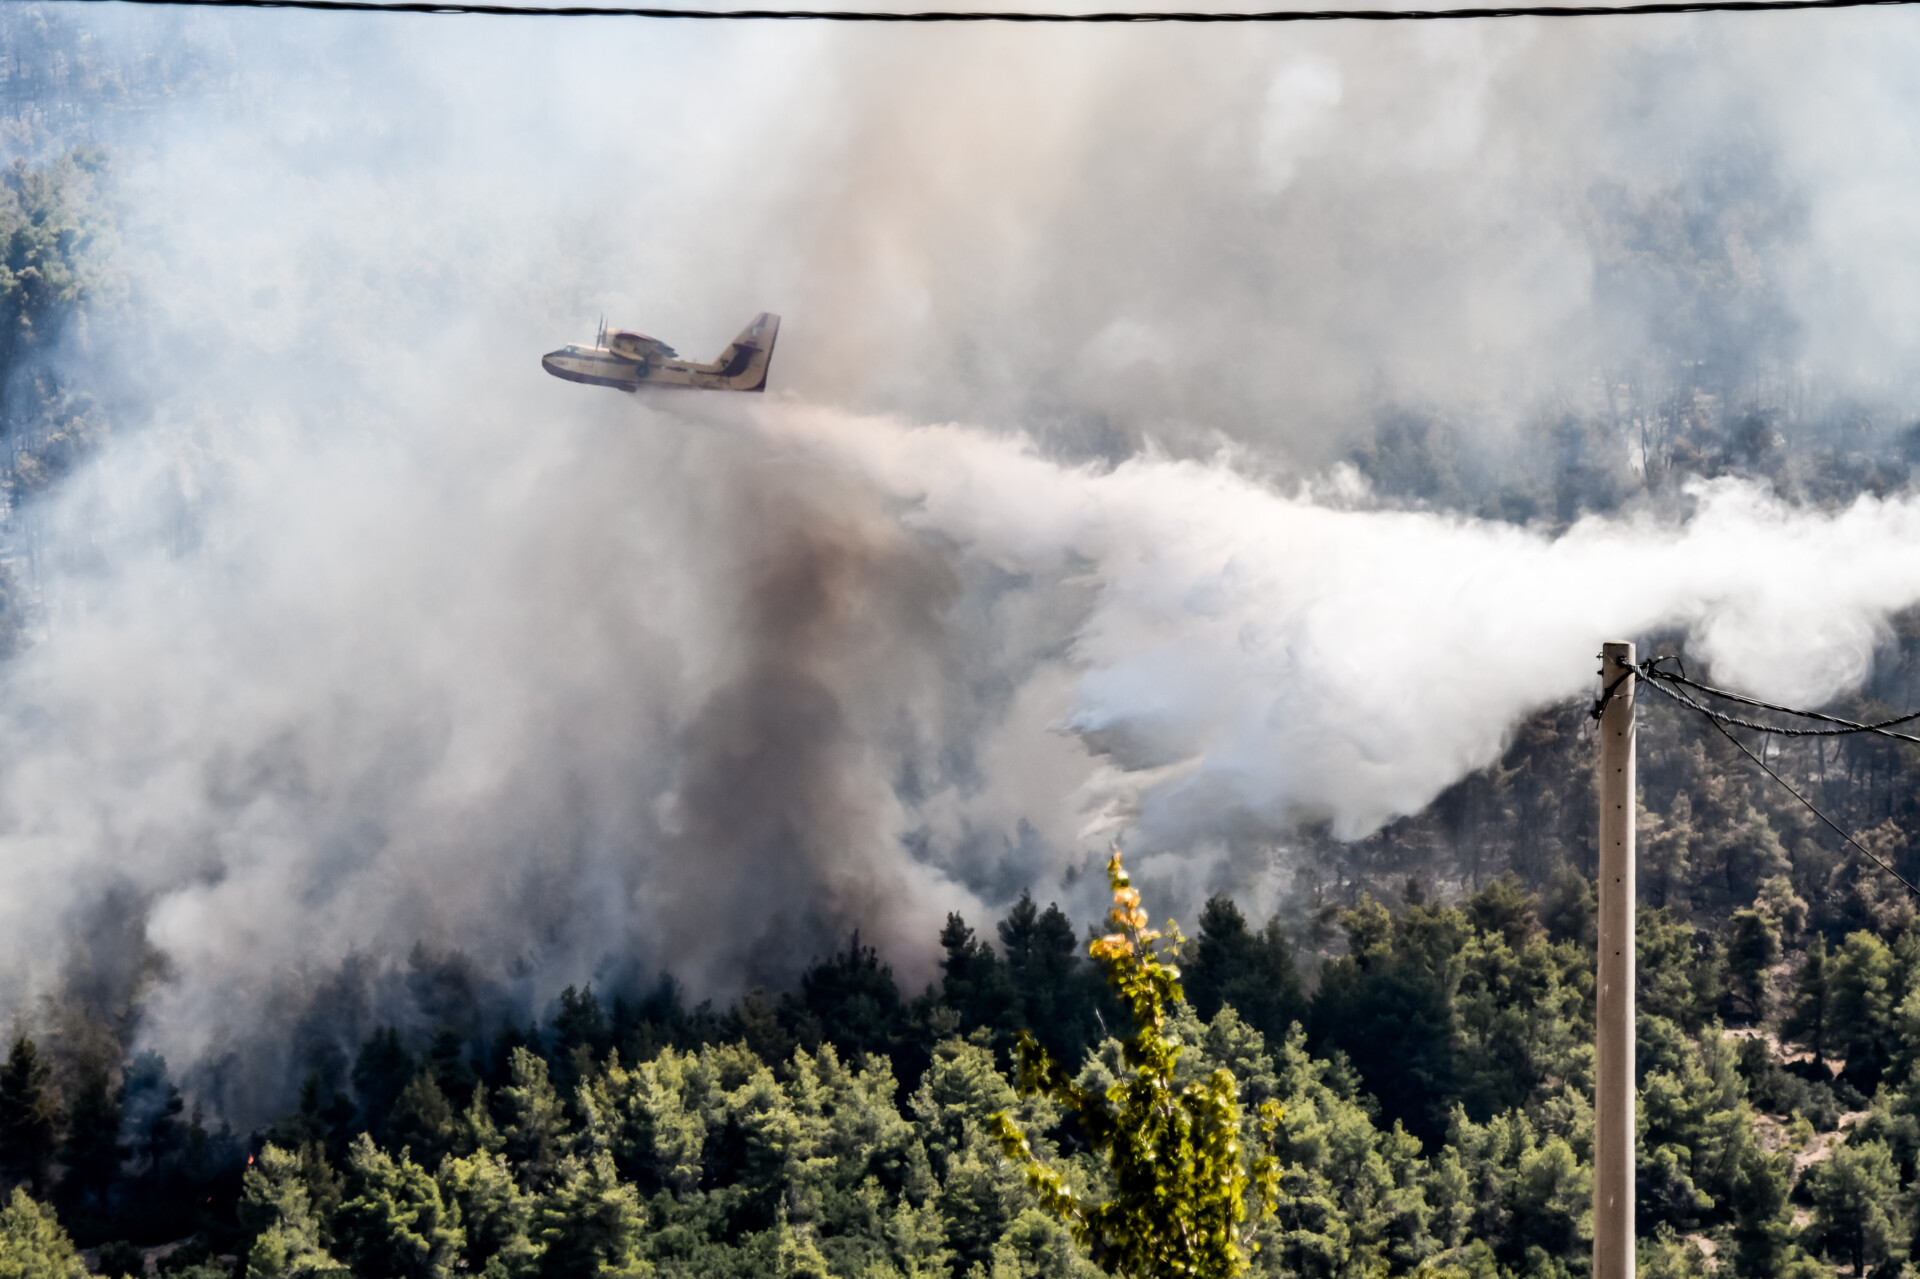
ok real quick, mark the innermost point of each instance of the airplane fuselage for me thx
(593, 366)
(629, 361)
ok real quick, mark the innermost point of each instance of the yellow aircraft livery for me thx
(630, 361)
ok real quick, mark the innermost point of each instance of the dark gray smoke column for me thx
(784, 832)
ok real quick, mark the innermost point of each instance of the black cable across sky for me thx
(1847, 727)
(1661, 681)
(944, 15)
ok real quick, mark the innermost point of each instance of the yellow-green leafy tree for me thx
(32, 1244)
(1187, 1193)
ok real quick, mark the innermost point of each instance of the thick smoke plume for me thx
(1250, 651)
(362, 635)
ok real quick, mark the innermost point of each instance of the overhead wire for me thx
(430, 7)
(1650, 668)
(1661, 680)
(1848, 727)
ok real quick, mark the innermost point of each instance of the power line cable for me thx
(1850, 727)
(1650, 669)
(1016, 16)
(1715, 719)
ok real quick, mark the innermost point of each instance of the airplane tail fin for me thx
(744, 363)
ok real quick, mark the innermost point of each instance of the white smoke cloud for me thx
(362, 632)
(1255, 651)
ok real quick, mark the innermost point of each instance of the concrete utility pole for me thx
(1613, 998)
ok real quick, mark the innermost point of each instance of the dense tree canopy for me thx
(1426, 1110)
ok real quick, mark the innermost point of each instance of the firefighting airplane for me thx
(630, 361)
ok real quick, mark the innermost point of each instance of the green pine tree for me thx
(1862, 989)
(394, 1223)
(1762, 1218)
(1250, 972)
(424, 1121)
(32, 1244)
(29, 1115)
(974, 983)
(495, 1213)
(92, 1151)
(1807, 1022)
(589, 1223)
(534, 1126)
(1057, 989)
(1753, 947)
(277, 1211)
(380, 1073)
(1851, 1192)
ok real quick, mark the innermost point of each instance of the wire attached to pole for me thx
(1606, 694)
(1715, 718)
(1848, 727)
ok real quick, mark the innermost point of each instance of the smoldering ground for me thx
(361, 634)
